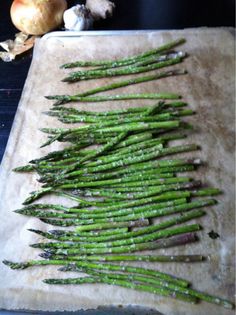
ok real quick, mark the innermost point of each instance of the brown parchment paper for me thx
(208, 88)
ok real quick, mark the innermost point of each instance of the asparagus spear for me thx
(113, 206)
(145, 238)
(99, 123)
(148, 280)
(96, 74)
(122, 258)
(95, 234)
(133, 215)
(151, 192)
(153, 167)
(74, 118)
(128, 183)
(100, 266)
(63, 99)
(55, 155)
(120, 97)
(125, 61)
(106, 148)
(97, 226)
(187, 291)
(177, 240)
(126, 127)
(144, 231)
(142, 157)
(75, 250)
(147, 61)
(130, 111)
(92, 214)
(140, 287)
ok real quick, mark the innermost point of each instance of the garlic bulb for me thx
(77, 18)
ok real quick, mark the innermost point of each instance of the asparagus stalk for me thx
(89, 214)
(124, 248)
(140, 110)
(119, 236)
(148, 280)
(132, 142)
(131, 215)
(152, 191)
(96, 74)
(90, 226)
(145, 238)
(63, 99)
(107, 147)
(147, 61)
(125, 153)
(142, 62)
(157, 167)
(177, 240)
(113, 206)
(128, 183)
(72, 118)
(131, 269)
(143, 157)
(129, 235)
(168, 196)
(140, 287)
(187, 291)
(122, 128)
(124, 97)
(98, 123)
(125, 61)
(91, 233)
(103, 267)
(56, 155)
(146, 258)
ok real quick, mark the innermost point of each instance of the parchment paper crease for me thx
(208, 88)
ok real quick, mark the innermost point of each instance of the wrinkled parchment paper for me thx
(208, 88)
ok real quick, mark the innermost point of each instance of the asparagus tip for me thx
(34, 231)
(35, 245)
(25, 168)
(45, 255)
(13, 265)
(67, 79)
(56, 232)
(18, 211)
(49, 97)
(57, 103)
(69, 267)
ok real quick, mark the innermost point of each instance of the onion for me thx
(37, 17)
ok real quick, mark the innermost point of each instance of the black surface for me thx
(130, 310)
(129, 14)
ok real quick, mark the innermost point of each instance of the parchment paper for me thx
(208, 88)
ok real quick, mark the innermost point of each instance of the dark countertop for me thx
(131, 15)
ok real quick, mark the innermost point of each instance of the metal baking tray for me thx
(103, 310)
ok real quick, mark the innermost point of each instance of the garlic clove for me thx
(77, 18)
(16, 47)
(100, 9)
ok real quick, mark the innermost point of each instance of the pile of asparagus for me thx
(117, 174)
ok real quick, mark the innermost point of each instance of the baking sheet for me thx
(208, 88)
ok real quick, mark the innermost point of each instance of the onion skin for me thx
(37, 17)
